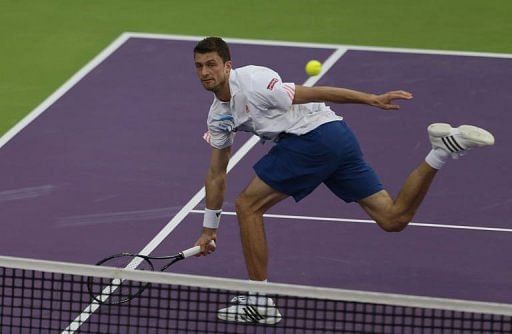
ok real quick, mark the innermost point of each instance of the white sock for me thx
(261, 298)
(254, 280)
(437, 158)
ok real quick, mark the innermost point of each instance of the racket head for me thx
(117, 291)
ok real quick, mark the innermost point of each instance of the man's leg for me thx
(446, 142)
(394, 215)
(252, 203)
(256, 198)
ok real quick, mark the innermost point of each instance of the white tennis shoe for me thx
(251, 309)
(457, 141)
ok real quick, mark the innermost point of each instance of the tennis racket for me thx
(118, 291)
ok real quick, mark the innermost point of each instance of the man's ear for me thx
(228, 65)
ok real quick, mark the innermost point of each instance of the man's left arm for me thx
(384, 101)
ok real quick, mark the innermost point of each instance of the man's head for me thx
(213, 64)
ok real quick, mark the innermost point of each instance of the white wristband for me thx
(211, 218)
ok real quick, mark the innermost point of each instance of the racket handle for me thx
(194, 250)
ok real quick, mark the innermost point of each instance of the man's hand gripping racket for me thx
(118, 291)
(207, 241)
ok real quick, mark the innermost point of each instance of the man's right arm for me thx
(216, 177)
(215, 186)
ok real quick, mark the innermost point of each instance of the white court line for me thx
(325, 45)
(178, 218)
(368, 221)
(127, 35)
(63, 89)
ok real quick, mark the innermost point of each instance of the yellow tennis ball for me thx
(313, 67)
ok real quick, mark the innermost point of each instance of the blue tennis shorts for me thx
(296, 165)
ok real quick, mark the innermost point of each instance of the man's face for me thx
(212, 70)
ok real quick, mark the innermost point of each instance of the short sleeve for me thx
(220, 132)
(271, 92)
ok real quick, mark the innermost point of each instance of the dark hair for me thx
(214, 44)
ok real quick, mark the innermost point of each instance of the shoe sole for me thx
(477, 135)
(271, 320)
(469, 132)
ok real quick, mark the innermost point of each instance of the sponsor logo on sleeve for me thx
(272, 83)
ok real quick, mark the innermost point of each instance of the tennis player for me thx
(313, 145)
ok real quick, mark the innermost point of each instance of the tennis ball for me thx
(313, 67)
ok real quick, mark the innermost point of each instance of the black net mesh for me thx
(32, 301)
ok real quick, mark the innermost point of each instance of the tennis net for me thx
(53, 297)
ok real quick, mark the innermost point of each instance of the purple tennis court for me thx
(119, 156)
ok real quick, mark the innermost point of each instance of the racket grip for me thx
(194, 250)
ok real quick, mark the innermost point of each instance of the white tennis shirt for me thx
(262, 104)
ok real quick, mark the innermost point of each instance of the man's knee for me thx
(394, 223)
(244, 205)
(257, 198)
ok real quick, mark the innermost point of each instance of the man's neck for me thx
(224, 93)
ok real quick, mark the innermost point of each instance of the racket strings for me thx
(118, 291)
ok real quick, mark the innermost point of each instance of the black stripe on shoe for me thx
(448, 144)
(252, 313)
(455, 144)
